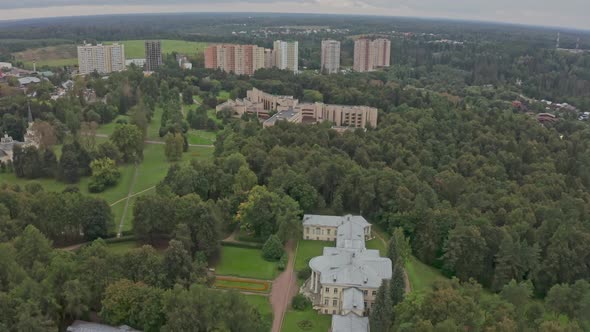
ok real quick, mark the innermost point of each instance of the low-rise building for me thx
(289, 109)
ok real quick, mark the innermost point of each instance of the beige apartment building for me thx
(103, 59)
(371, 54)
(330, 56)
(345, 279)
(237, 59)
(287, 55)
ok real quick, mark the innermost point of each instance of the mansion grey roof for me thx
(82, 326)
(354, 268)
(332, 221)
(352, 299)
(350, 323)
(351, 235)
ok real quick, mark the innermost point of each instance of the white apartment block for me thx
(101, 58)
(330, 56)
(287, 55)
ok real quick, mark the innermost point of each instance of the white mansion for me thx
(345, 279)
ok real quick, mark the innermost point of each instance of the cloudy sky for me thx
(565, 13)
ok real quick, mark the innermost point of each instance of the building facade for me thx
(101, 58)
(330, 56)
(345, 279)
(153, 54)
(237, 59)
(371, 54)
(287, 55)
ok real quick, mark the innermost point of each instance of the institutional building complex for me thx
(153, 54)
(330, 56)
(287, 108)
(371, 54)
(345, 279)
(101, 58)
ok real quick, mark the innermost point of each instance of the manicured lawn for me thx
(201, 137)
(421, 275)
(308, 249)
(212, 114)
(135, 49)
(223, 95)
(108, 128)
(261, 303)
(377, 244)
(319, 323)
(247, 263)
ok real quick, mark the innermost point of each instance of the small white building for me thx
(5, 65)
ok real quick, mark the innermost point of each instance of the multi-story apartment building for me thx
(330, 56)
(289, 109)
(153, 54)
(382, 52)
(287, 55)
(237, 59)
(101, 58)
(345, 279)
(371, 54)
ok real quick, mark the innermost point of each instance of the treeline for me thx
(43, 289)
(64, 217)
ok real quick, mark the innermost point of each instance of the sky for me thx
(561, 13)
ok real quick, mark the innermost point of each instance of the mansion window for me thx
(327, 290)
(374, 293)
(335, 290)
(365, 292)
(326, 302)
(334, 302)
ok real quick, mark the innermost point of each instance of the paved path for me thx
(406, 277)
(284, 288)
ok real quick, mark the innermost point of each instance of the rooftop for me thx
(351, 235)
(353, 299)
(350, 323)
(82, 326)
(355, 268)
(332, 221)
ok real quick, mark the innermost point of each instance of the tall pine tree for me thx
(382, 310)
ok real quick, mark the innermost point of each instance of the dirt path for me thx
(284, 288)
(406, 277)
(120, 229)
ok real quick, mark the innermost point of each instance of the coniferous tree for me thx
(382, 310)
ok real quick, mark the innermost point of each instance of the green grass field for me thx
(201, 137)
(122, 247)
(263, 305)
(422, 276)
(319, 323)
(135, 48)
(246, 263)
(377, 244)
(308, 249)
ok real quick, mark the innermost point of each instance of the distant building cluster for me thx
(371, 54)
(103, 59)
(345, 279)
(247, 59)
(286, 108)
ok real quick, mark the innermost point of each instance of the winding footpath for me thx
(284, 288)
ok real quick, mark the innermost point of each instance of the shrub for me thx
(305, 273)
(272, 249)
(95, 187)
(300, 302)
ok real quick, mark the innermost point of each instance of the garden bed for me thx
(241, 284)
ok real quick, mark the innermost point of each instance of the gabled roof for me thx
(350, 323)
(352, 299)
(351, 235)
